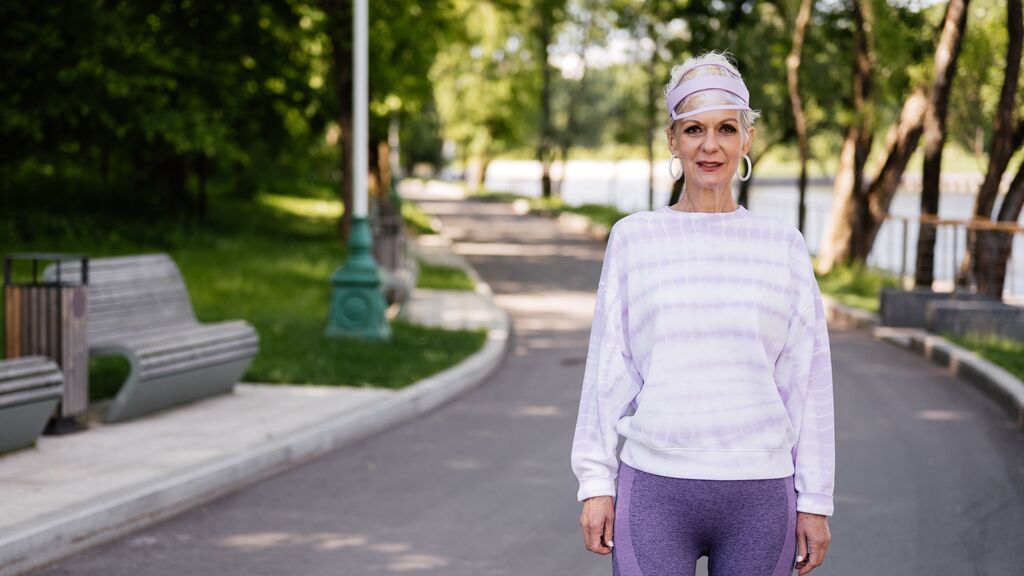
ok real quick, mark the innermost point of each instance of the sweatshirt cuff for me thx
(814, 503)
(596, 487)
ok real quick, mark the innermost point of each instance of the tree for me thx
(545, 16)
(485, 85)
(585, 27)
(339, 30)
(131, 101)
(803, 18)
(985, 256)
(849, 212)
(946, 56)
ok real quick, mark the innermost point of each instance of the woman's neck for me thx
(706, 200)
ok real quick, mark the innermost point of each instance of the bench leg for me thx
(21, 425)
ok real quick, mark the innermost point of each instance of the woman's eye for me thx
(728, 128)
(692, 130)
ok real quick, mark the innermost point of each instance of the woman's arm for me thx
(608, 384)
(804, 369)
(804, 372)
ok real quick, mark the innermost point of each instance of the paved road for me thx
(930, 473)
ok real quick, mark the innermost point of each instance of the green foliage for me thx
(266, 261)
(599, 213)
(443, 278)
(972, 109)
(106, 375)
(417, 219)
(857, 285)
(1008, 354)
(136, 99)
(485, 82)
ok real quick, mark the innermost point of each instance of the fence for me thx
(992, 268)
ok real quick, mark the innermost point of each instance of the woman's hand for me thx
(598, 522)
(812, 540)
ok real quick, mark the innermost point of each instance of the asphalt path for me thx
(930, 473)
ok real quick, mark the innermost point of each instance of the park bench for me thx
(30, 388)
(139, 308)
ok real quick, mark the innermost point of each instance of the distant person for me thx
(709, 354)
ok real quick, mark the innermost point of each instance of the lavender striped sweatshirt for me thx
(709, 354)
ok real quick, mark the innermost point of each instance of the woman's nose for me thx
(710, 144)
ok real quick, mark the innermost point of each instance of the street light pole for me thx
(357, 303)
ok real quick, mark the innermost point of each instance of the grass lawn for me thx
(443, 278)
(266, 261)
(1008, 354)
(856, 285)
(860, 287)
(417, 220)
(600, 213)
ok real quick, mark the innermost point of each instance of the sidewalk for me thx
(74, 492)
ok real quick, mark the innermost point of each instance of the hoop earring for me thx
(675, 176)
(750, 169)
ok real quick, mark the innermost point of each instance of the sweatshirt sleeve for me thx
(610, 383)
(803, 373)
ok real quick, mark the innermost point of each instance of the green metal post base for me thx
(357, 303)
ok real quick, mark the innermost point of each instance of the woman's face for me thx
(710, 146)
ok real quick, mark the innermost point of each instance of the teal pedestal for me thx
(357, 303)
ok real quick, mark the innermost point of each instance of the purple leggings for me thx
(663, 525)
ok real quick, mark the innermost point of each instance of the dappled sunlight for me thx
(578, 305)
(397, 556)
(538, 411)
(304, 207)
(943, 415)
(582, 252)
(409, 562)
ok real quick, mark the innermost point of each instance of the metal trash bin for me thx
(48, 318)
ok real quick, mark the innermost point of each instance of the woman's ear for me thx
(750, 140)
(670, 135)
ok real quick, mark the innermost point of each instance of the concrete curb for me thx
(1004, 388)
(52, 539)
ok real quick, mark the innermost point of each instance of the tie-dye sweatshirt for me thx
(709, 354)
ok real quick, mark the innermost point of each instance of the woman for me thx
(709, 353)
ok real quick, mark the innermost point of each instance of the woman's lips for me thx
(710, 166)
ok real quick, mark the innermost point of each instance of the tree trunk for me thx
(376, 178)
(994, 248)
(652, 87)
(384, 170)
(799, 118)
(339, 26)
(900, 145)
(1001, 149)
(482, 158)
(347, 183)
(850, 212)
(946, 54)
(544, 146)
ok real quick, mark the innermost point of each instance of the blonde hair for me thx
(706, 64)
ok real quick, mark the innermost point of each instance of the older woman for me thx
(709, 354)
